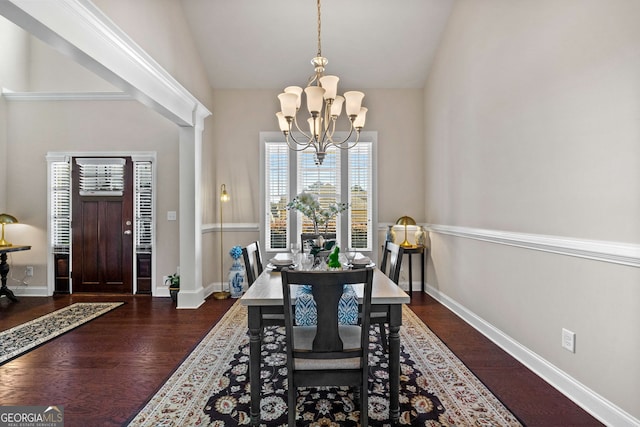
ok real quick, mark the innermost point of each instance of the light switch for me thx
(171, 215)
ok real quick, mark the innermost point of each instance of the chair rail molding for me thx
(232, 226)
(613, 252)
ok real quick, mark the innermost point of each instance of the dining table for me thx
(264, 299)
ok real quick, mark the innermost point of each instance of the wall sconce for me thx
(406, 220)
(6, 219)
(224, 197)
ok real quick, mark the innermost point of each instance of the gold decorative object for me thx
(406, 220)
(224, 197)
(6, 219)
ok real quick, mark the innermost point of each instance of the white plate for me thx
(280, 267)
(373, 264)
(281, 261)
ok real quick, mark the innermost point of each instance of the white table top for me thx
(267, 290)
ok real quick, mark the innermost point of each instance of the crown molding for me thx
(613, 252)
(65, 96)
(80, 30)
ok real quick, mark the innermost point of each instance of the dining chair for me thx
(252, 261)
(391, 264)
(327, 353)
(253, 267)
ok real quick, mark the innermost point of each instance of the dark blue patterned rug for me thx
(210, 388)
(320, 406)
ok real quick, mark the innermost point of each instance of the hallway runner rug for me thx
(210, 388)
(22, 338)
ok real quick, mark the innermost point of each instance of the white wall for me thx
(532, 126)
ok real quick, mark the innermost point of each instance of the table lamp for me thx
(224, 197)
(6, 219)
(405, 220)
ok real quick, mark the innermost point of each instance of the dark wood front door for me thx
(102, 238)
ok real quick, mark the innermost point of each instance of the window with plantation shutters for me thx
(101, 176)
(60, 178)
(277, 195)
(360, 200)
(345, 176)
(322, 180)
(143, 205)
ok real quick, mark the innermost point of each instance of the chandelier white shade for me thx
(324, 107)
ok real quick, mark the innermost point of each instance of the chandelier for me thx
(324, 107)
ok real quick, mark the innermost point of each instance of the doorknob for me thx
(127, 231)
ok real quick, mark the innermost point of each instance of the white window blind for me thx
(143, 179)
(60, 178)
(322, 180)
(345, 176)
(360, 200)
(277, 195)
(60, 207)
(101, 176)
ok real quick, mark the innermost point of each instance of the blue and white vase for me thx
(236, 279)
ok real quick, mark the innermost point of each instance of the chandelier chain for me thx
(319, 27)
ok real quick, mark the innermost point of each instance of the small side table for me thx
(410, 250)
(4, 269)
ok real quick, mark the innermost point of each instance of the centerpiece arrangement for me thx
(309, 206)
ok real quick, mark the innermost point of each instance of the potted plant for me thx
(174, 286)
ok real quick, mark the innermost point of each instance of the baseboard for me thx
(29, 291)
(599, 407)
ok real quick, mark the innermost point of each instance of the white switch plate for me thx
(568, 340)
(172, 215)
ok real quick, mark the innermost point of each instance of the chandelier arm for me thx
(295, 148)
(332, 129)
(348, 147)
(339, 144)
(306, 135)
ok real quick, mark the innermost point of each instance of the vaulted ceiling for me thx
(269, 44)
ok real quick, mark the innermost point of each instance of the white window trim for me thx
(369, 136)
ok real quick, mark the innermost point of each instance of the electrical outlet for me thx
(29, 271)
(568, 340)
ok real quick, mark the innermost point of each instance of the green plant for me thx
(173, 281)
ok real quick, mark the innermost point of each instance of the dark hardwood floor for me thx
(104, 371)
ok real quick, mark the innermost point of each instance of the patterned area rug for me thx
(211, 389)
(22, 338)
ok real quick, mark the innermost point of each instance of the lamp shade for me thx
(6, 219)
(224, 196)
(406, 220)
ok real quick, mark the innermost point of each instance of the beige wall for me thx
(239, 117)
(532, 126)
(34, 128)
(13, 76)
(40, 127)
